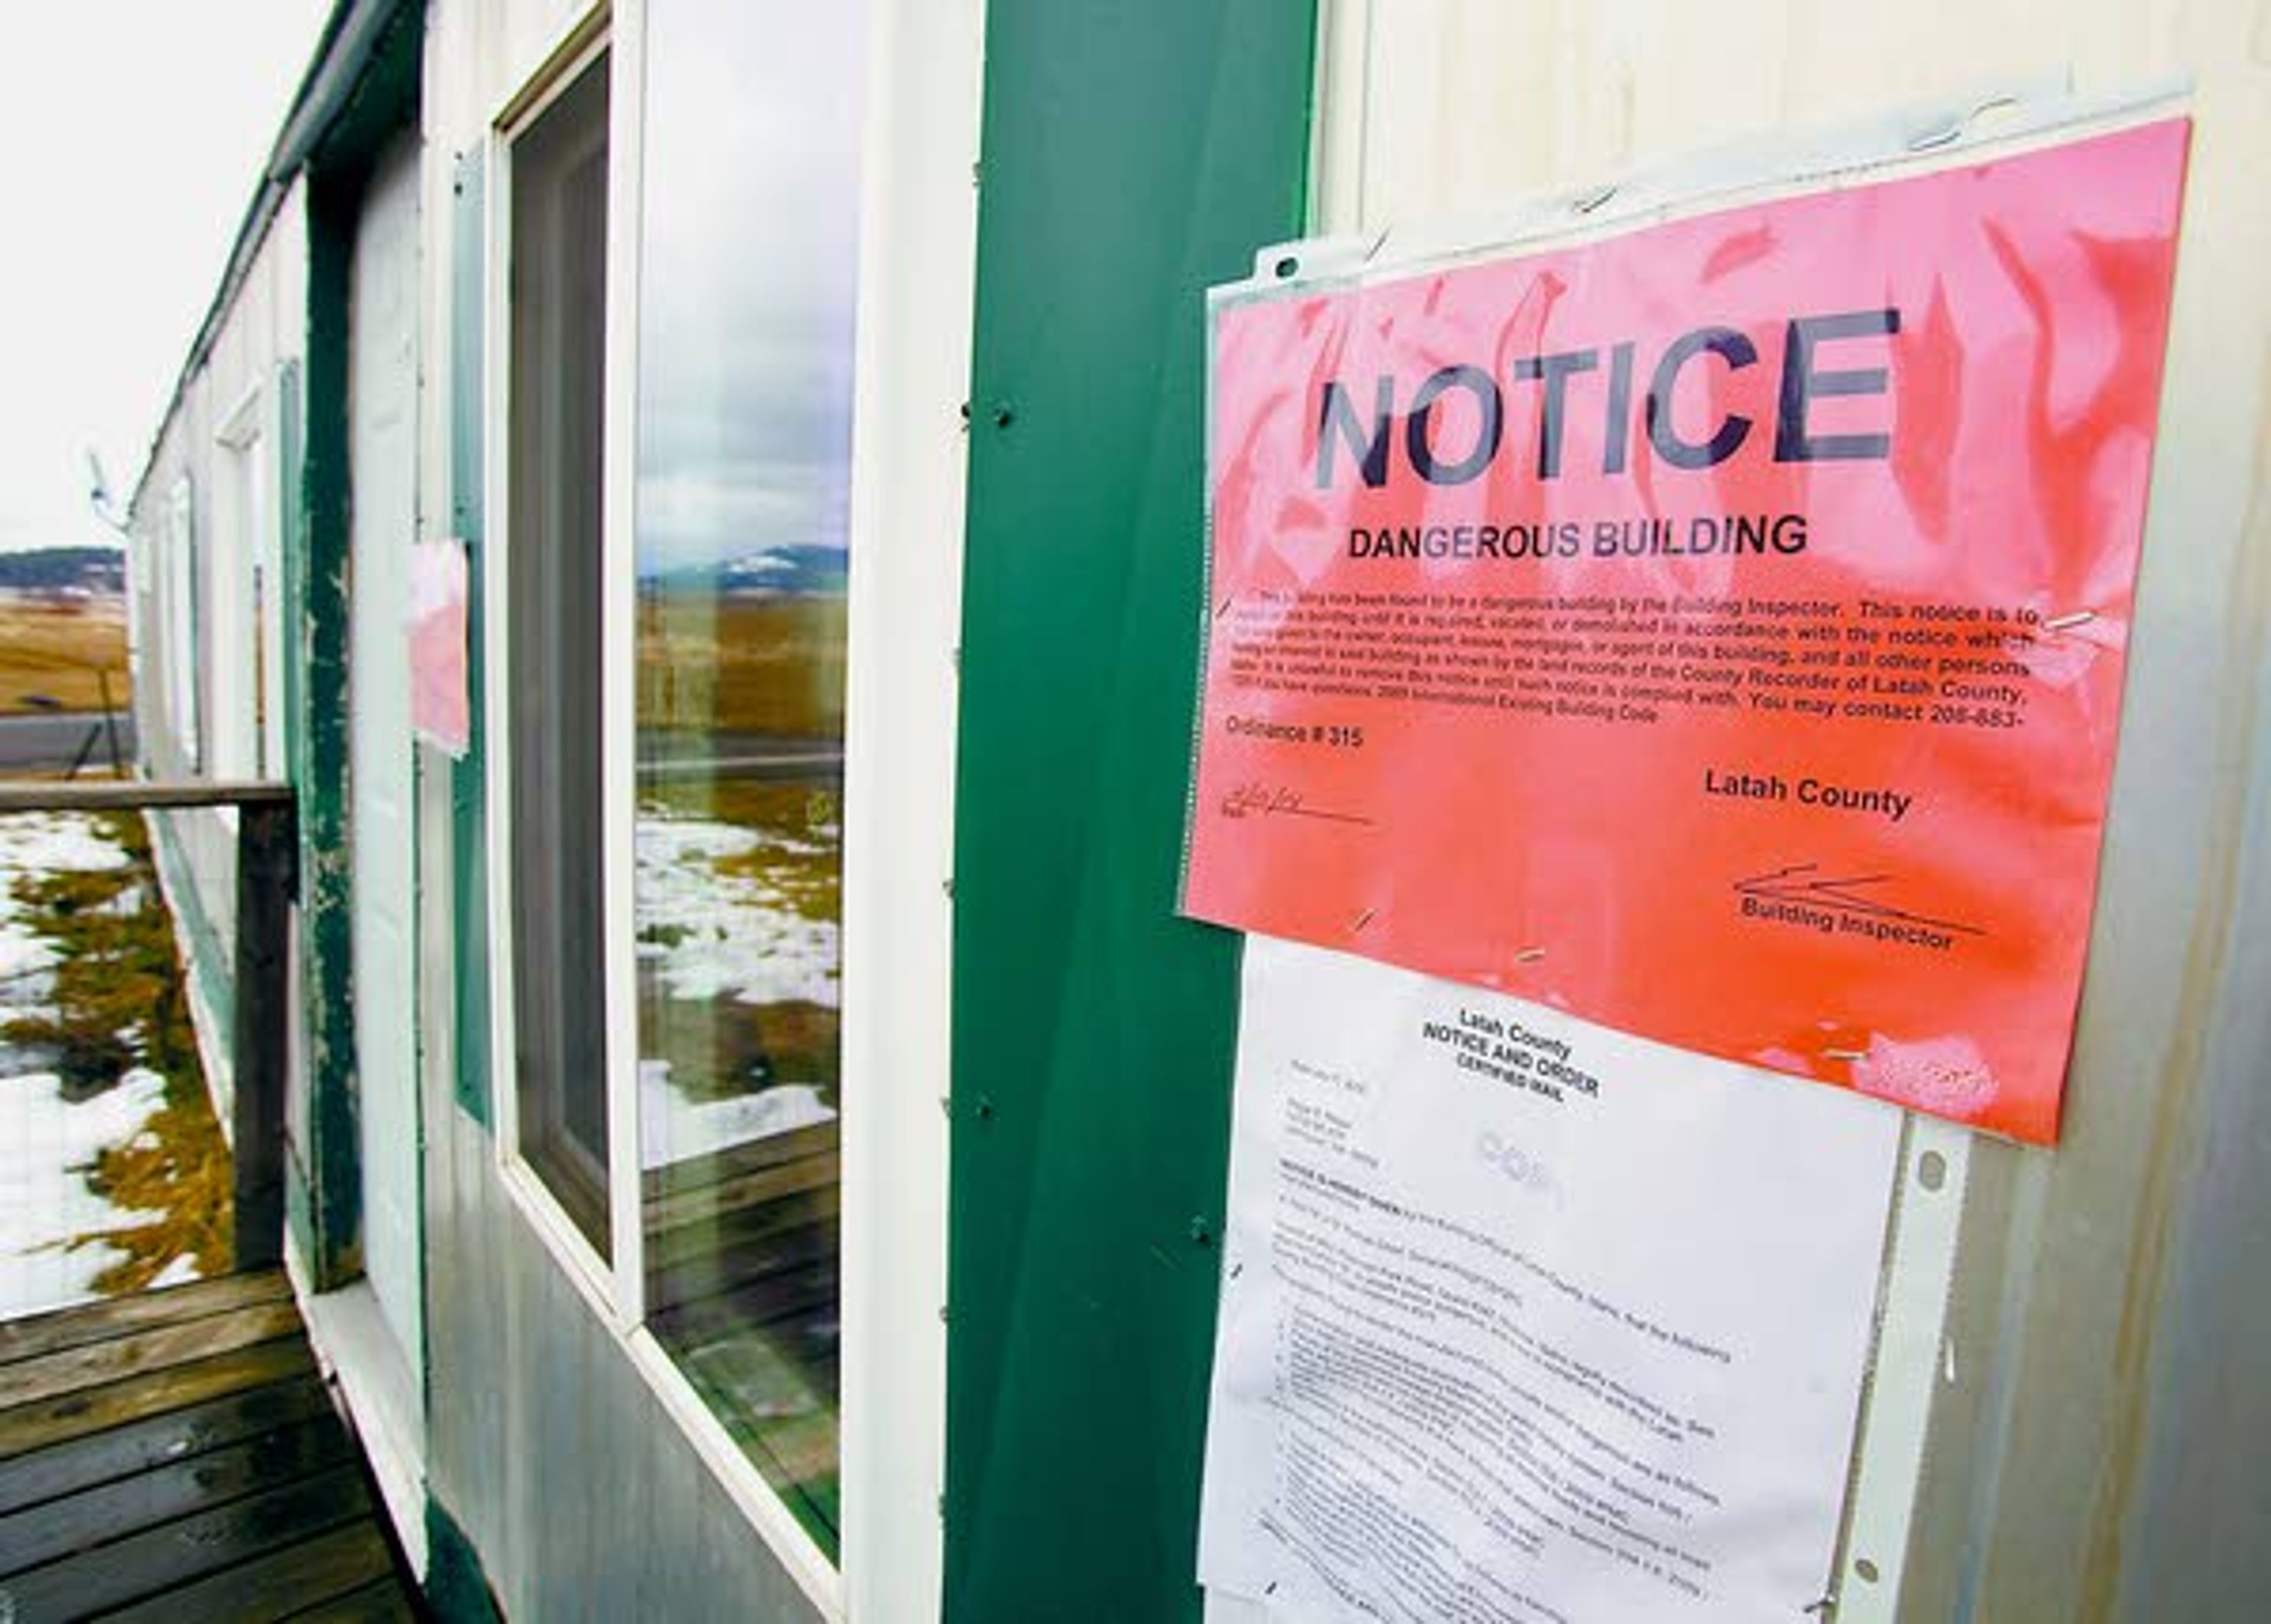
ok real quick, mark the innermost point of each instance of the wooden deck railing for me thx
(267, 846)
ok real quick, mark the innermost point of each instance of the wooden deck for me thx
(174, 1456)
(744, 1284)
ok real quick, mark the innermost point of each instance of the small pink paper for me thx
(439, 706)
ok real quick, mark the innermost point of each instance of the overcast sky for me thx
(131, 133)
(749, 277)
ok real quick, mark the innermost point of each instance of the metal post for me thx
(110, 721)
(266, 870)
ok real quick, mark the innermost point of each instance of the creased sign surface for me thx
(1715, 630)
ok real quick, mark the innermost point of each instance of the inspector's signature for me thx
(1256, 799)
(1802, 886)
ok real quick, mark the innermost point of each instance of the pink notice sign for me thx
(1714, 630)
(439, 706)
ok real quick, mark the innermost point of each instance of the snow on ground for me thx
(673, 1128)
(46, 1141)
(708, 934)
(39, 843)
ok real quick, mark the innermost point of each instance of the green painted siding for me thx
(468, 775)
(299, 1211)
(1134, 154)
(290, 437)
(457, 1591)
(325, 1195)
(333, 1203)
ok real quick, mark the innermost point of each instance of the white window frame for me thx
(243, 530)
(609, 1289)
(183, 618)
(918, 232)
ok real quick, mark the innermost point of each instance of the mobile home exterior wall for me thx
(209, 522)
(1024, 1360)
(2089, 1446)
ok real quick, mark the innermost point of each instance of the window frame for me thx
(589, 40)
(184, 623)
(911, 374)
(612, 1287)
(545, 1132)
(247, 720)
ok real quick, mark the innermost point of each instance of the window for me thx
(748, 271)
(687, 1124)
(555, 438)
(184, 576)
(244, 598)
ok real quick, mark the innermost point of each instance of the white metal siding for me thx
(382, 468)
(2096, 1419)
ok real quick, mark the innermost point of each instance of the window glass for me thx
(184, 578)
(558, 386)
(235, 750)
(748, 259)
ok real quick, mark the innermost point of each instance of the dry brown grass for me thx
(116, 1002)
(55, 649)
(753, 665)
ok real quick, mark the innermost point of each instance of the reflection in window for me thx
(182, 577)
(749, 245)
(559, 392)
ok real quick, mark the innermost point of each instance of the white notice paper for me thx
(1526, 1321)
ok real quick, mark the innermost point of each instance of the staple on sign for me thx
(1362, 920)
(2067, 622)
(1844, 1054)
(1529, 956)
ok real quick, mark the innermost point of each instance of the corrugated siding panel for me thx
(1133, 155)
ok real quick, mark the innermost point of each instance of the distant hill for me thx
(799, 571)
(98, 570)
